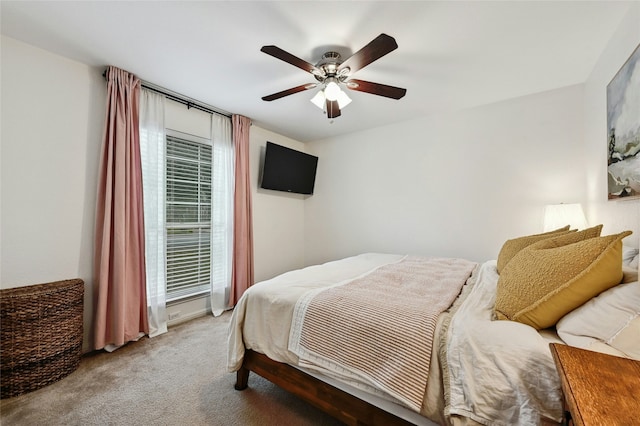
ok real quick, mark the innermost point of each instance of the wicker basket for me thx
(40, 333)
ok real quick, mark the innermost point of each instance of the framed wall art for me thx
(623, 127)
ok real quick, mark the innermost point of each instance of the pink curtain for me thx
(119, 252)
(242, 269)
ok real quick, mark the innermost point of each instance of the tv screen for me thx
(288, 170)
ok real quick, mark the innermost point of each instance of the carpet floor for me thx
(178, 378)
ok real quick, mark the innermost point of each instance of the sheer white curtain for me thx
(222, 212)
(152, 151)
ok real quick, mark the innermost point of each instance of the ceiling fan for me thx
(331, 72)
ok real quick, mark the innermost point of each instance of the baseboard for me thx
(188, 317)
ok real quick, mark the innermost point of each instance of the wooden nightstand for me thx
(598, 389)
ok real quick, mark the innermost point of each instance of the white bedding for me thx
(271, 304)
(491, 382)
(501, 372)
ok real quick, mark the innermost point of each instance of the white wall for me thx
(278, 217)
(462, 183)
(450, 185)
(617, 215)
(455, 185)
(52, 118)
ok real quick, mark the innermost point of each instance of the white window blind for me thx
(188, 217)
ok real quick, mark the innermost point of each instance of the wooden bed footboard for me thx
(335, 402)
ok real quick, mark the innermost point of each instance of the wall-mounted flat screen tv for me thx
(288, 170)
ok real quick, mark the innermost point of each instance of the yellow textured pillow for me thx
(552, 277)
(571, 237)
(511, 247)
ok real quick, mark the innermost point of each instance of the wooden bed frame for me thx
(335, 402)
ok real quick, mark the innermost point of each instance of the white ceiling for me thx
(451, 55)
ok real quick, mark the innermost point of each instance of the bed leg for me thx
(242, 379)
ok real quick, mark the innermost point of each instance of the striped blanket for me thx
(379, 327)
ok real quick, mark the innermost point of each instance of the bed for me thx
(479, 370)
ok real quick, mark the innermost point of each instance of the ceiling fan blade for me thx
(333, 109)
(376, 89)
(373, 51)
(288, 92)
(278, 53)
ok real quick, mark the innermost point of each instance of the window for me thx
(188, 207)
(188, 215)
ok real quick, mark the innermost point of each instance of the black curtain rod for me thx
(184, 100)
(190, 103)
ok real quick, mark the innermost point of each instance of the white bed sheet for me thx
(491, 379)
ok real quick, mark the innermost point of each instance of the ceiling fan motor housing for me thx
(329, 65)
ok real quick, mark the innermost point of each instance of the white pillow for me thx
(612, 318)
(629, 256)
(629, 274)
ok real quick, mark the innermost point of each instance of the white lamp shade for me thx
(343, 99)
(332, 91)
(559, 215)
(319, 100)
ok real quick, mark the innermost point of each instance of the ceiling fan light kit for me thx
(331, 72)
(320, 99)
